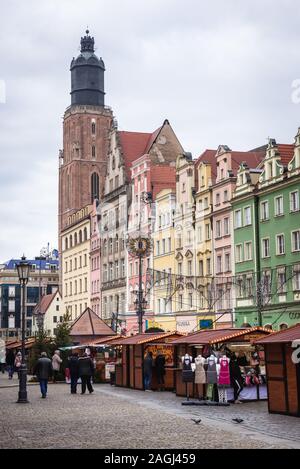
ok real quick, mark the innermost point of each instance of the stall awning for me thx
(282, 337)
(17, 344)
(147, 338)
(210, 337)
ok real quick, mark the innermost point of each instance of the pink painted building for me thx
(227, 162)
(95, 271)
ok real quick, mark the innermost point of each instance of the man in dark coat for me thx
(74, 371)
(43, 371)
(10, 362)
(160, 363)
(86, 371)
(148, 366)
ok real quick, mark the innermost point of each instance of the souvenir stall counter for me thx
(209, 350)
(129, 370)
(282, 354)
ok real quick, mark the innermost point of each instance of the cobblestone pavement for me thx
(121, 418)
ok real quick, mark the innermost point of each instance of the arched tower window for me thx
(95, 186)
(93, 151)
(85, 234)
(75, 239)
(80, 236)
(66, 244)
(93, 128)
(71, 241)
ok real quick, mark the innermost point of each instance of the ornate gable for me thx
(272, 169)
(294, 165)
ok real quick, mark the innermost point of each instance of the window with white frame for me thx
(226, 226)
(225, 196)
(219, 264)
(280, 244)
(208, 266)
(201, 271)
(218, 229)
(227, 262)
(179, 268)
(180, 301)
(279, 206)
(238, 219)
(123, 268)
(191, 300)
(207, 232)
(294, 201)
(266, 247)
(190, 268)
(296, 240)
(248, 251)
(296, 277)
(281, 280)
(11, 291)
(111, 271)
(116, 269)
(218, 199)
(264, 210)
(249, 287)
(247, 216)
(163, 246)
(169, 244)
(239, 253)
(199, 234)
(11, 306)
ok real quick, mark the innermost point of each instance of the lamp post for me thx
(23, 268)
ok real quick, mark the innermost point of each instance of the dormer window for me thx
(222, 173)
(270, 170)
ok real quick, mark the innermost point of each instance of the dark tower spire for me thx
(87, 75)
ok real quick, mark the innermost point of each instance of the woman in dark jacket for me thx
(236, 378)
(86, 371)
(73, 365)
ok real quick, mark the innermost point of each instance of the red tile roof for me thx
(286, 153)
(134, 145)
(162, 177)
(44, 304)
(209, 156)
(280, 337)
(217, 335)
(89, 324)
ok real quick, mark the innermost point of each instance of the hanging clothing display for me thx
(212, 376)
(200, 375)
(224, 375)
(187, 372)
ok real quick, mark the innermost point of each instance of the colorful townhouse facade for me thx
(95, 253)
(76, 267)
(163, 240)
(267, 247)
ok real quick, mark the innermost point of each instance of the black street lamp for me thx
(23, 268)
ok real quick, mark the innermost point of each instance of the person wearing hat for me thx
(43, 371)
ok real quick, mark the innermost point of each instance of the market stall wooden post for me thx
(283, 371)
(129, 373)
(212, 338)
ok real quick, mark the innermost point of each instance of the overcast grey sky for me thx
(220, 71)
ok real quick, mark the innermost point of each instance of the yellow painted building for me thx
(75, 263)
(163, 262)
(203, 244)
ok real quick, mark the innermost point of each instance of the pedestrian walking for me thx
(73, 365)
(56, 362)
(18, 363)
(236, 377)
(160, 363)
(86, 371)
(10, 362)
(148, 367)
(3, 362)
(43, 371)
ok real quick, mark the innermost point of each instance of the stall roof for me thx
(89, 324)
(17, 344)
(104, 341)
(214, 336)
(145, 338)
(281, 337)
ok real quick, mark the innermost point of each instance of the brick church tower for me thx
(82, 162)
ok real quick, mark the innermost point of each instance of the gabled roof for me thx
(280, 337)
(136, 144)
(162, 177)
(90, 324)
(44, 304)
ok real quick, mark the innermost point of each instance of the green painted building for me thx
(266, 225)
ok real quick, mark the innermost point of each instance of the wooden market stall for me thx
(233, 340)
(129, 372)
(282, 355)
